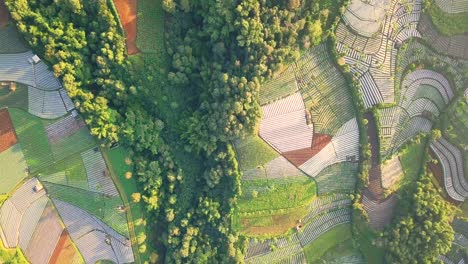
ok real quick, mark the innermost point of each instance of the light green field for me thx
(276, 194)
(317, 248)
(252, 151)
(339, 177)
(96, 204)
(279, 87)
(411, 161)
(272, 207)
(75, 172)
(80, 141)
(33, 139)
(12, 168)
(13, 256)
(445, 23)
(117, 157)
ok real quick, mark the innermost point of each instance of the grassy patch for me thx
(13, 256)
(117, 157)
(81, 140)
(268, 224)
(252, 151)
(74, 169)
(339, 177)
(150, 26)
(33, 139)
(365, 237)
(447, 24)
(18, 99)
(279, 87)
(316, 249)
(272, 207)
(339, 252)
(258, 195)
(12, 168)
(96, 204)
(411, 161)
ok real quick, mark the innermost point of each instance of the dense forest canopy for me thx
(422, 232)
(83, 44)
(221, 52)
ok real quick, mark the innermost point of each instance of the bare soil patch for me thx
(7, 131)
(300, 156)
(127, 10)
(4, 15)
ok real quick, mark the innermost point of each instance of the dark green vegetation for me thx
(221, 52)
(365, 239)
(447, 24)
(82, 43)
(10, 40)
(422, 230)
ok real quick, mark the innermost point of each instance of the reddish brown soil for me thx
(128, 17)
(64, 251)
(298, 157)
(7, 131)
(4, 15)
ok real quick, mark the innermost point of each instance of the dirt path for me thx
(4, 15)
(128, 17)
(378, 207)
(375, 173)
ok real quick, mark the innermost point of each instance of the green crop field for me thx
(12, 168)
(74, 169)
(33, 139)
(117, 157)
(447, 24)
(150, 34)
(252, 151)
(81, 140)
(339, 177)
(279, 87)
(316, 249)
(276, 194)
(18, 98)
(272, 207)
(96, 204)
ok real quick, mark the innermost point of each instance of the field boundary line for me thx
(124, 197)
